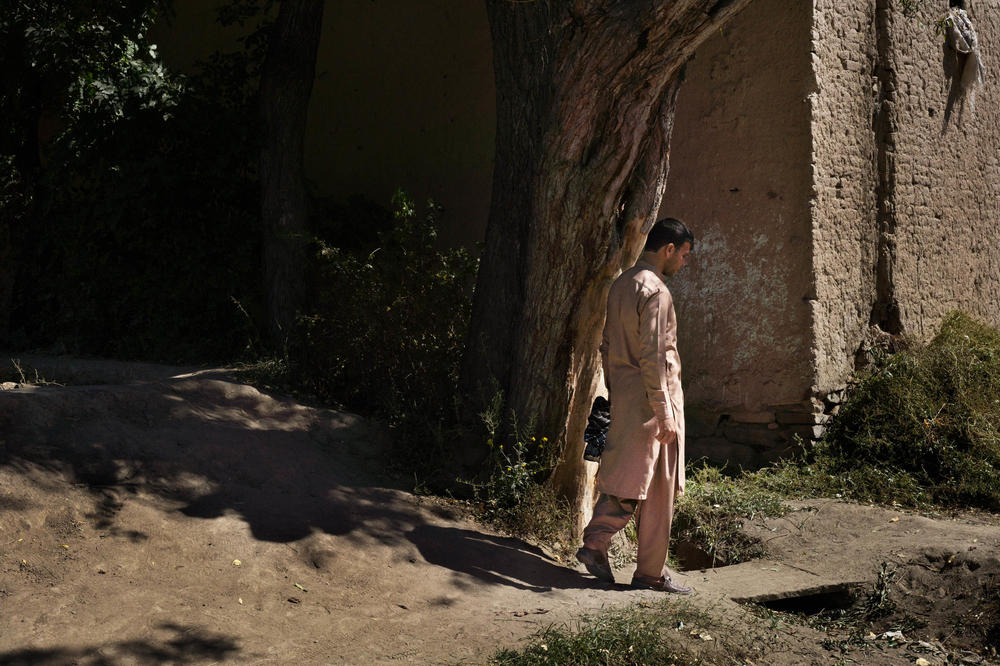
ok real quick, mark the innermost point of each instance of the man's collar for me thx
(642, 263)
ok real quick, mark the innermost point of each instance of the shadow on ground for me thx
(495, 560)
(187, 645)
(208, 448)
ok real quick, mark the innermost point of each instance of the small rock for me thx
(922, 662)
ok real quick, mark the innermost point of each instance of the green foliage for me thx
(516, 498)
(713, 510)
(137, 227)
(388, 329)
(629, 637)
(877, 603)
(513, 478)
(820, 475)
(926, 418)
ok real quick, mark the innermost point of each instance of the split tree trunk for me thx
(285, 87)
(585, 104)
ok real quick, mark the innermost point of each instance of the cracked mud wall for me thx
(844, 171)
(906, 211)
(739, 177)
(946, 195)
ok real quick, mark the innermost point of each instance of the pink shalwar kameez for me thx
(643, 372)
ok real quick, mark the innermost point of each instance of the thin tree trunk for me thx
(285, 87)
(585, 102)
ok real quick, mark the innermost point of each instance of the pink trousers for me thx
(654, 516)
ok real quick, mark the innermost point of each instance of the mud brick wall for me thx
(740, 141)
(906, 206)
(844, 175)
(945, 186)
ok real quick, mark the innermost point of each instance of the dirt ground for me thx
(170, 515)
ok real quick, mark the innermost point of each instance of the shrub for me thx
(928, 417)
(138, 229)
(387, 330)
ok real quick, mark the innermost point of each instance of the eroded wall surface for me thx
(946, 186)
(906, 177)
(739, 176)
(845, 179)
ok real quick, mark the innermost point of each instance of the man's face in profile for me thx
(675, 258)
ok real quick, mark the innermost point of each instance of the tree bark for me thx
(285, 87)
(585, 102)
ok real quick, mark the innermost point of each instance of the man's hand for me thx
(666, 430)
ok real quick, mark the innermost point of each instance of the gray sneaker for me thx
(597, 563)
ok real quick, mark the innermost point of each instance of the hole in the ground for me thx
(689, 556)
(811, 601)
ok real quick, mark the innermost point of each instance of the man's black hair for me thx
(666, 231)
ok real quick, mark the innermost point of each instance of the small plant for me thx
(514, 496)
(630, 637)
(878, 603)
(514, 474)
(713, 510)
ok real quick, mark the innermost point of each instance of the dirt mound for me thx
(152, 514)
(188, 518)
(951, 598)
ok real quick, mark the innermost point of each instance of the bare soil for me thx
(172, 515)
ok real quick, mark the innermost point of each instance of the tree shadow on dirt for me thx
(188, 645)
(496, 560)
(209, 448)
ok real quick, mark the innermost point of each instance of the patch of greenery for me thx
(129, 192)
(386, 331)
(818, 476)
(923, 424)
(713, 510)
(513, 495)
(629, 637)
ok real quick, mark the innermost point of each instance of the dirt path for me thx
(172, 515)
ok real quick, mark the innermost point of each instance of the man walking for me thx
(642, 466)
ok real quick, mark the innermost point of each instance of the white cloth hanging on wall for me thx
(961, 36)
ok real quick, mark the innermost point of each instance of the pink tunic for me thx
(643, 371)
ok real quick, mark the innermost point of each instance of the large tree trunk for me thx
(285, 86)
(585, 102)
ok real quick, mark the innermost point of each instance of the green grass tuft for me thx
(628, 637)
(713, 510)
